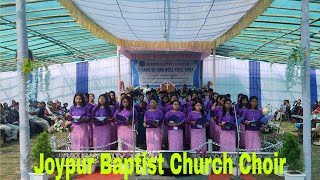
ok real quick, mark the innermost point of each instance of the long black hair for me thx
(128, 98)
(222, 97)
(240, 105)
(112, 101)
(83, 102)
(224, 109)
(106, 106)
(239, 96)
(252, 98)
(162, 101)
(203, 113)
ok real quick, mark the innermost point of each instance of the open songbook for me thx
(176, 119)
(230, 126)
(152, 121)
(76, 118)
(124, 119)
(201, 121)
(264, 120)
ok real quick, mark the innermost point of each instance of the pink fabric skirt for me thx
(212, 130)
(125, 134)
(102, 137)
(242, 135)
(187, 133)
(164, 134)
(90, 132)
(114, 134)
(253, 140)
(154, 139)
(175, 140)
(79, 137)
(198, 137)
(227, 141)
(217, 130)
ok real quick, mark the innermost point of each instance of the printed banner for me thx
(154, 73)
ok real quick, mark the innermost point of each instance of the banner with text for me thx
(154, 73)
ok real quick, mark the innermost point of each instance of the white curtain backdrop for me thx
(103, 75)
(62, 83)
(8, 87)
(232, 76)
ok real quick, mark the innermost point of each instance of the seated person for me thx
(11, 131)
(316, 111)
(33, 115)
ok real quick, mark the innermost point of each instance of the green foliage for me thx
(292, 151)
(42, 146)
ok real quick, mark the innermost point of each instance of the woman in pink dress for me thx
(251, 117)
(242, 106)
(79, 116)
(175, 131)
(198, 132)
(102, 116)
(228, 128)
(114, 105)
(153, 131)
(125, 127)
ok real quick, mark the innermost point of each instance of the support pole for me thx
(214, 70)
(305, 42)
(119, 72)
(22, 53)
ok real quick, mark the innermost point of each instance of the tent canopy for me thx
(53, 35)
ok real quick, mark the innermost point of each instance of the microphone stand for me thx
(237, 177)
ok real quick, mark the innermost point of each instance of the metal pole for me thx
(119, 72)
(305, 42)
(22, 53)
(214, 70)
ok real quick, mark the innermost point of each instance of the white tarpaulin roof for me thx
(186, 24)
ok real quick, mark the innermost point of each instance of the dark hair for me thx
(112, 101)
(228, 95)
(224, 110)
(176, 101)
(202, 111)
(240, 105)
(106, 106)
(252, 98)
(91, 94)
(148, 92)
(83, 102)
(130, 103)
(162, 102)
(239, 96)
(222, 97)
(172, 96)
(154, 98)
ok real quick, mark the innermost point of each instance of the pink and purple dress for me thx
(101, 130)
(89, 108)
(228, 133)
(175, 134)
(252, 137)
(114, 127)
(242, 127)
(153, 133)
(198, 135)
(79, 134)
(125, 130)
(214, 123)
